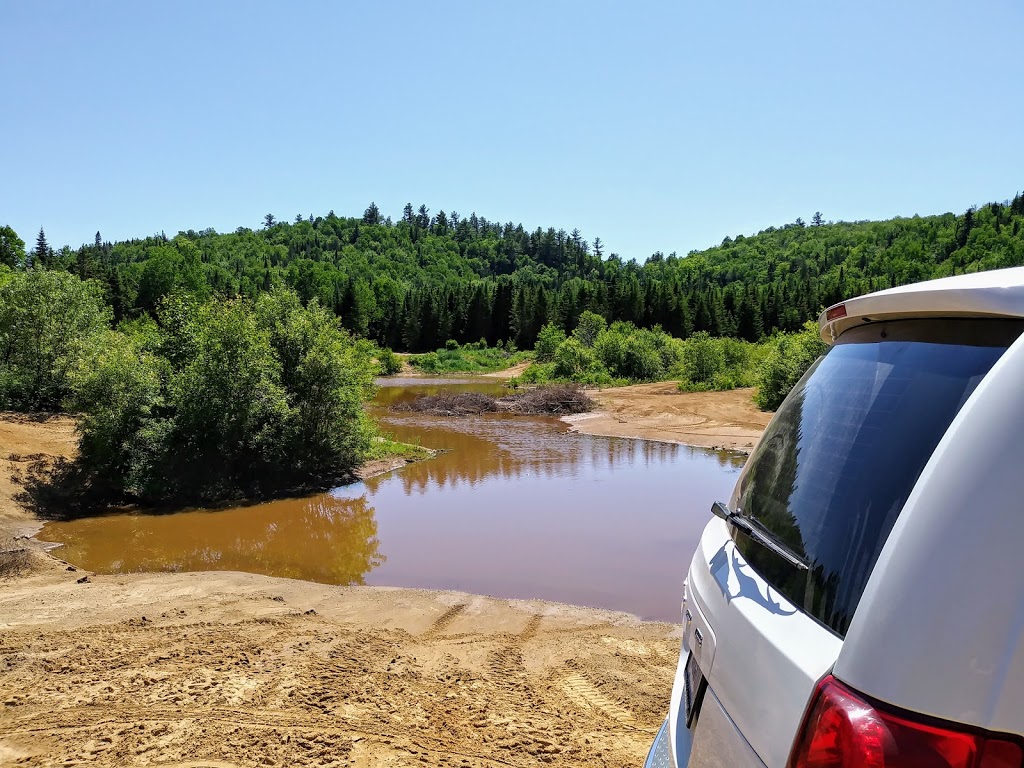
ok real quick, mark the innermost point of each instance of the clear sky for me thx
(653, 125)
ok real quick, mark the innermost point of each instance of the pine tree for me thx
(269, 221)
(817, 219)
(41, 255)
(372, 214)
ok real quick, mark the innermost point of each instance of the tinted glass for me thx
(843, 453)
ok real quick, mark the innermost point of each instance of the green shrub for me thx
(787, 359)
(262, 398)
(641, 360)
(572, 360)
(389, 362)
(47, 318)
(548, 341)
(702, 358)
(589, 327)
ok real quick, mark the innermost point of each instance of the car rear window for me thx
(838, 461)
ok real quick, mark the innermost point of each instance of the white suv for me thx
(860, 600)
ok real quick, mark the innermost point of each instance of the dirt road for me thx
(229, 669)
(660, 412)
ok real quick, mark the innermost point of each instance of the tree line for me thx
(416, 282)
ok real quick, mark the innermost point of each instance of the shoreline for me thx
(659, 412)
(231, 669)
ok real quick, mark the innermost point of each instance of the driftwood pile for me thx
(554, 400)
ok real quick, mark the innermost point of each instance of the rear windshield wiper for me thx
(760, 534)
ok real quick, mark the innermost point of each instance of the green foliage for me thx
(573, 361)
(389, 362)
(548, 341)
(422, 280)
(588, 328)
(12, 248)
(703, 358)
(708, 363)
(469, 358)
(787, 359)
(46, 320)
(225, 399)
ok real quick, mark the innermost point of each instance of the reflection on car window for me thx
(837, 464)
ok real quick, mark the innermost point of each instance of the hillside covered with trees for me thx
(415, 283)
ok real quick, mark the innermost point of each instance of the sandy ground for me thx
(660, 412)
(508, 373)
(216, 670)
(25, 440)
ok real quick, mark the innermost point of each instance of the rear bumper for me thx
(714, 741)
(660, 755)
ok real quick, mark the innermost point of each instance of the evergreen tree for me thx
(372, 214)
(41, 255)
(269, 221)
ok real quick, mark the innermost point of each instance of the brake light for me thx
(839, 310)
(842, 730)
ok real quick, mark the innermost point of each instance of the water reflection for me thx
(326, 539)
(516, 507)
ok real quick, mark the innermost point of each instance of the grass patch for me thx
(386, 448)
(468, 358)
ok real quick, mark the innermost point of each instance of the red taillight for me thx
(839, 310)
(842, 730)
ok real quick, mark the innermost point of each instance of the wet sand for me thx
(726, 420)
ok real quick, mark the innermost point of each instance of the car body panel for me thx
(995, 293)
(940, 627)
(768, 655)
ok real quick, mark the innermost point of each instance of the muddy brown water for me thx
(516, 507)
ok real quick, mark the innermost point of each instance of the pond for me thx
(516, 507)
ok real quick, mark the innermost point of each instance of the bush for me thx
(46, 321)
(572, 360)
(703, 358)
(388, 362)
(260, 399)
(589, 327)
(641, 360)
(470, 358)
(548, 341)
(787, 359)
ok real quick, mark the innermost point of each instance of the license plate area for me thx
(694, 685)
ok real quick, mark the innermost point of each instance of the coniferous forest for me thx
(415, 283)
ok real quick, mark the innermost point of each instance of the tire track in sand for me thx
(445, 620)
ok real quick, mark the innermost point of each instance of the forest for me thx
(199, 362)
(414, 283)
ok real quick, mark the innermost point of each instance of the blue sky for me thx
(655, 126)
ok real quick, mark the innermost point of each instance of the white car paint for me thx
(766, 644)
(996, 293)
(940, 627)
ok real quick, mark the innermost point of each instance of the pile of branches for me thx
(450, 404)
(555, 400)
